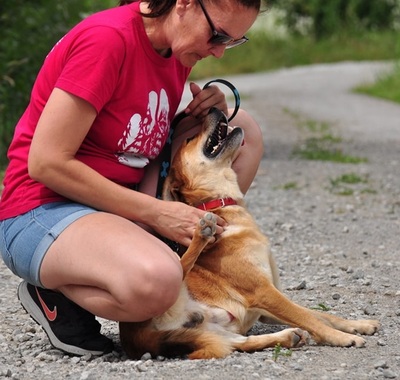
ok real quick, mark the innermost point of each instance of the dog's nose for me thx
(212, 109)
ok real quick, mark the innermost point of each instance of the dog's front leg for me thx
(203, 234)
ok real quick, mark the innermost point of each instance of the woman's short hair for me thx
(162, 7)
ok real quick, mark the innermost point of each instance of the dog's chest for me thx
(249, 245)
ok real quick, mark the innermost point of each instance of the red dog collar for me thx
(216, 203)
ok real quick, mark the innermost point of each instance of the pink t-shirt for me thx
(108, 60)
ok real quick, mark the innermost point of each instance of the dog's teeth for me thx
(214, 149)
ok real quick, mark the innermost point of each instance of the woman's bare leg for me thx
(113, 268)
(250, 154)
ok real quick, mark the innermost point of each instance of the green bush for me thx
(29, 29)
(323, 18)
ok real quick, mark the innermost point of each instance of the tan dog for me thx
(234, 282)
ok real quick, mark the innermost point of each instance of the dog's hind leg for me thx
(361, 326)
(267, 297)
(203, 234)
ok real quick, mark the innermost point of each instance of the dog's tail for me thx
(138, 339)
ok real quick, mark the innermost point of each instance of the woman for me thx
(78, 214)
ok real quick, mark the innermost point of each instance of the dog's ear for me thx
(171, 188)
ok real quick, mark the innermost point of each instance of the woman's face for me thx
(191, 39)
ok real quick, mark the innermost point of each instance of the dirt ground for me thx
(334, 228)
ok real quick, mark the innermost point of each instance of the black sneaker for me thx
(69, 327)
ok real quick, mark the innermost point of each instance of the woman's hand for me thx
(178, 221)
(205, 99)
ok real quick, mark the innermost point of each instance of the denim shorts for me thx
(25, 239)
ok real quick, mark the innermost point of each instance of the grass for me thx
(387, 87)
(324, 148)
(280, 351)
(346, 184)
(290, 186)
(322, 145)
(316, 126)
(264, 52)
(321, 307)
(316, 149)
(350, 178)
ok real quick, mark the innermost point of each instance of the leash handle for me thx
(233, 89)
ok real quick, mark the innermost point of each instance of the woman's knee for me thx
(153, 290)
(252, 131)
(248, 160)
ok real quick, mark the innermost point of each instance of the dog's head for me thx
(202, 167)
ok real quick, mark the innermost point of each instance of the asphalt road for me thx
(324, 92)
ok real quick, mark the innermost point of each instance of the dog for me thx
(232, 283)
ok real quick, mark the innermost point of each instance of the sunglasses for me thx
(219, 38)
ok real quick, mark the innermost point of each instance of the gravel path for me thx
(334, 250)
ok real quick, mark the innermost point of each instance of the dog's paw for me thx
(293, 337)
(341, 339)
(366, 327)
(353, 341)
(208, 225)
(299, 337)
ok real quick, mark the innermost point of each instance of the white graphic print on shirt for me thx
(144, 137)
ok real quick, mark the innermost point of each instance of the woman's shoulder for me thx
(108, 30)
(117, 17)
(109, 22)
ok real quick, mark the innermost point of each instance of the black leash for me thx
(233, 89)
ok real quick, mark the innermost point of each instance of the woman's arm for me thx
(63, 125)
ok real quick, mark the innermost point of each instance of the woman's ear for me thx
(182, 6)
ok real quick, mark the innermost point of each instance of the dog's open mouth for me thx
(220, 136)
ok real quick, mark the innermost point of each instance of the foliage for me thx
(321, 145)
(321, 307)
(387, 86)
(265, 52)
(280, 351)
(348, 183)
(28, 31)
(324, 18)
(324, 149)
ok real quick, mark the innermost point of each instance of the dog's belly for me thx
(237, 320)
